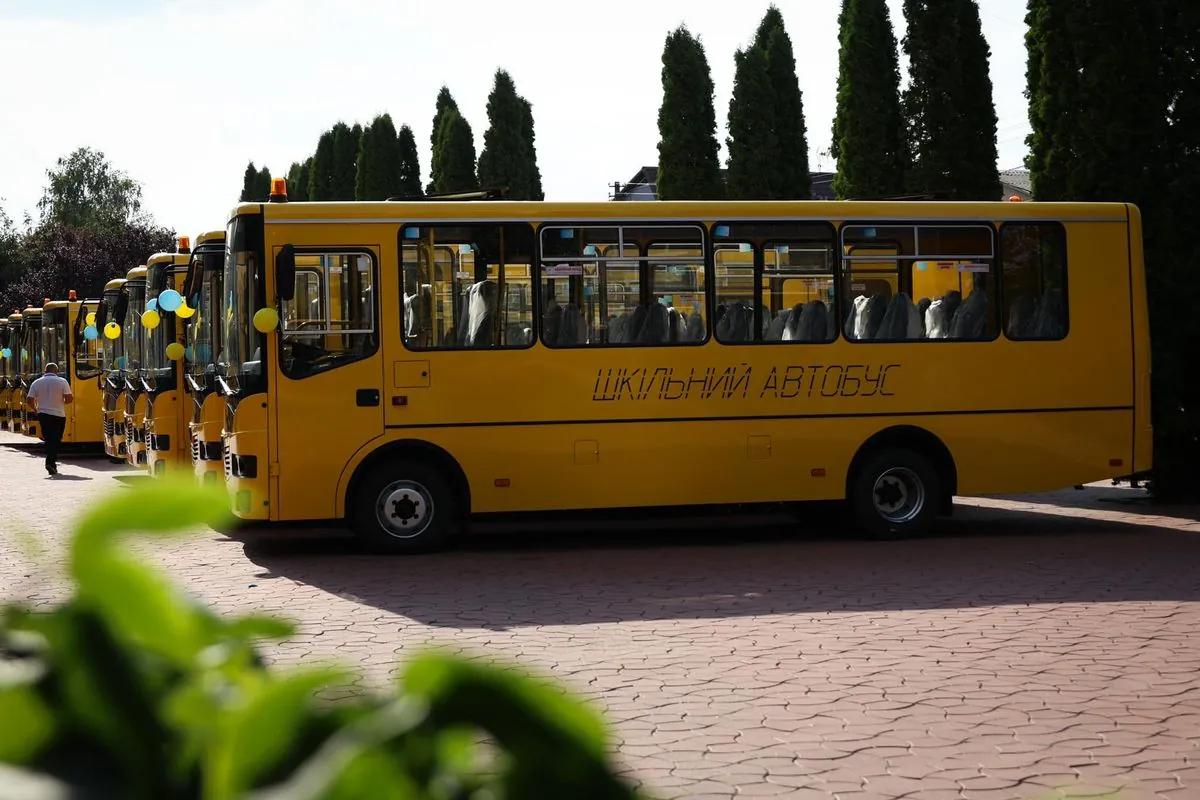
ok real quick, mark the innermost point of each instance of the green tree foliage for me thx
(297, 180)
(379, 161)
(753, 146)
(1113, 96)
(509, 158)
(131, 689)
(85, 191)
(868, 127)
(791, 132)
(320, 176)
(948, 106)
(344, 172)
(249, 184)
(445, 104)
(455, 153)
(263, 184)
(410, 164)
(688, 153)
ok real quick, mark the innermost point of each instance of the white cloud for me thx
(182, 94)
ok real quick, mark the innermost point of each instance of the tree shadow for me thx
(572, 573)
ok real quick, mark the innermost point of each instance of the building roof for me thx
(822, 184)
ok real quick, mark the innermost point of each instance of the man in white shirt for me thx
(48, 397)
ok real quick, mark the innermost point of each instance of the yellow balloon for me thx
(112, 330)
(151, 319)
(175, 351)
(266, 320)
(90, 319)
(184, 311)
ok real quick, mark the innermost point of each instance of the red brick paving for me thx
(1037, 644)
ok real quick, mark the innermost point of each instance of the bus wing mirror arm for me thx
(285, 273)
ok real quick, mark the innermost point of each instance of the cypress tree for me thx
(868, 128)
(688, 160)
(455, 151)
(409, 184)
(345, 155)
(445, 103)
(297, 180)
(320, 175)
(249, 184)
(508, 158)
(754, 152)
(536, 192)
(948, 105)
(379, 164)
(263, 185)
(791, 133)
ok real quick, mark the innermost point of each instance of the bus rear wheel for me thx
(895, 494)
(406, 507)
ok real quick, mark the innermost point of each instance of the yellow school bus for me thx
(30, 367)
(207, 408)
(13, 389)
(166, 412)
(516, 357)
(5, 389)
(134, 412)
(64, 343)
(113, 302)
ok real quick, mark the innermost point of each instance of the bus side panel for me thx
(1143, 436)
(564, 467)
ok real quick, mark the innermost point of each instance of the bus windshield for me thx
(202, 334)
(54, 337)
(108, 350)
(31, 349)
(88, 358)
(132, 328)
(240, 351)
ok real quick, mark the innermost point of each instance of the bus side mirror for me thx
(101, 316)
(122, 306)
(285, 273)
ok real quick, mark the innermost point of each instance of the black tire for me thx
(908, 499)
(405, 507)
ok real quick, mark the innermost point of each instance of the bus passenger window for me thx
(330, 321)
(622, 285)
(775, 282)
(1034, 259)
(467, 287)
(913, 282)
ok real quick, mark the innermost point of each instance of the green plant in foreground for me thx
(132, 689)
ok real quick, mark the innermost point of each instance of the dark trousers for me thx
(52, 432)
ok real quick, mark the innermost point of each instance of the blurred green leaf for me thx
(256, 626)
(28, 722)
(256, 733)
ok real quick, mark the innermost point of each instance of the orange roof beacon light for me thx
(185, 245)
(71, 295)
(1016, 198)
(278, 190)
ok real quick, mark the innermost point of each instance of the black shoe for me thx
(52, 470)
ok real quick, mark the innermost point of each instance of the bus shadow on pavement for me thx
(699, 569)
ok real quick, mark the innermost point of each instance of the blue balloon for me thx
(169, 300)
(152, 304)
(90, 333)
(6, 353)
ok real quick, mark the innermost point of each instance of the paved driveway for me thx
(1037, 644)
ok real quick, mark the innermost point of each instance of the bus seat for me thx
(1048, 321)
(814, 322)
(941, 314)
(695, 327)
(656, 328)
(970, 320)
(1022, 317)
(776, 326)
(922, 307)
(736, 323)
(637, 320)
(571, 329)
(551, 322)
(481, 312)
(901, 320)
(868, 316)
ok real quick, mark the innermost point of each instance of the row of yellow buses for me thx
(404, 366)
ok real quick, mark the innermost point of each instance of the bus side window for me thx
(330, 321)
(1034, 260)
(468, 286)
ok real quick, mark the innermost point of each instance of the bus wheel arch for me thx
(919, 441)
(408, 467)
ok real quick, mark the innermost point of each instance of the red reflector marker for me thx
(818, 472)
(1116, 462)
(502, 483)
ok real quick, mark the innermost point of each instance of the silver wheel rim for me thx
(898, 495)
(404, 509)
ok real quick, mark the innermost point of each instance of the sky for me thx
(181, 94)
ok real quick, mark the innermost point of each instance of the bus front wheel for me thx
(895, 494)
(405, 507)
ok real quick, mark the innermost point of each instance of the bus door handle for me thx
(367, 397)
